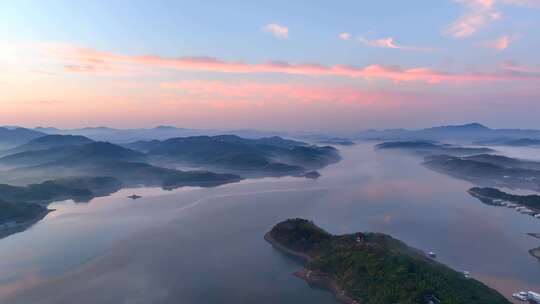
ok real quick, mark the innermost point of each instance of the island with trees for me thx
(374, 268)
(495, 196)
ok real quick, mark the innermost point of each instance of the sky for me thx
(274, 65)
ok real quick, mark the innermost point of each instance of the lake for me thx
(205, 245)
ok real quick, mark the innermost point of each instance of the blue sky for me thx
(461, 38)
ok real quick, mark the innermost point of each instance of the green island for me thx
(374, 268)
(492, 194)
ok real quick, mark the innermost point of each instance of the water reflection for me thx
(206, 245)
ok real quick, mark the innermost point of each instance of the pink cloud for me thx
(273, 92)
(529, 3)
(345, 36)
(478, 13)
(92, 60)
(501, 43)
(384, 42)
(512, 67)
(279, 31)
(389, 43)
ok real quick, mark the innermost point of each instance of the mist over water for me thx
(196, 245)
(528, 153)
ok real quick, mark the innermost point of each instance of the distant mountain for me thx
(266, 156)
(79, 189)
(467, 132)
(50, 141)
(336, 141)
(48, 130)
(471, 127)
(103, 151)
(325, 139)
(142, 145)
(128, 173)
(11, 137)
(128, 135)
(470, 132)
(431, 148)
(101, 159)
(87, 153)
(489, 170)
(123, 136)
(520, 142)
(33, 158)
(505, 161)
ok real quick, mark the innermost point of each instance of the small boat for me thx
(466, 274)
(533, 297)
(134, 196)
(432, 254)
(522, 296)
(526, 211)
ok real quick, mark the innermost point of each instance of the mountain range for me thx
(273, 156)
(14, 136)
(145, 134)
(155, 162)
(466, 132)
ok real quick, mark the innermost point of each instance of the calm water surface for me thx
(197, 245)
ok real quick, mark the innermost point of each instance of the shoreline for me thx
(484, 197)
(314, 279)
(23, 226)
(535, 253)
(534, 235)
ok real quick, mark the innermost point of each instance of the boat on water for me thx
(522, 296)
(432, 254)
(134, 196)
(527, 296)
(466, 274)
(527, 211)
(533, 297)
